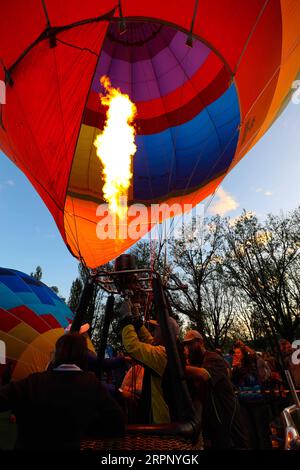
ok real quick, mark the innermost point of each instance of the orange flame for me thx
(116, 146)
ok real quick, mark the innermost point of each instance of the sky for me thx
(266, 180)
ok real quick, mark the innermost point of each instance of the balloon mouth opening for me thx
(151, 60)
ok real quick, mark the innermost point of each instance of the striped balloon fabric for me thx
(208, 79)
(32, 318)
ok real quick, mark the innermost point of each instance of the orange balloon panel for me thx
(79, 218)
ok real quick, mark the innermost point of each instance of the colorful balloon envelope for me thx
(32, 318)
(208, 78)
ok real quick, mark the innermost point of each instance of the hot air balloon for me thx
(207, 79)
(32, 318)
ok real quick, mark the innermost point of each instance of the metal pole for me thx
(292, 388)
(183, 405)
(108, 314)
(84, 301)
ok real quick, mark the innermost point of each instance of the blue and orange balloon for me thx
(200, 109)
(32, 318)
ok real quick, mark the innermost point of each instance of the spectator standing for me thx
(55, 409)
(208, 373)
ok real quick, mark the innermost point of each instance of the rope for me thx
(46, 13)
(250, 35)
(122, 23)
(189, 41)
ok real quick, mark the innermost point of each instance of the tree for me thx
(55, 289)
(142, 254)
(194, 257)
(262, 260)
(249, 325)
(37, 274)
(151, 255)
(95, 309)
(75, 293)
(219, 302)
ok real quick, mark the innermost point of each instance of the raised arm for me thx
(144, 335)
(152, 356)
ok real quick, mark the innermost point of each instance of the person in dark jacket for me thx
(207, 372)
(55, 409)
(249, 379)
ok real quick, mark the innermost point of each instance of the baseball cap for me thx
(83, 329)
(191, 335)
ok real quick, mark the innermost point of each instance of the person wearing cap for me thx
(82, 331)
(149, 351)
(207, 373)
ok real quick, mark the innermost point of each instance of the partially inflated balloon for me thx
(32, 318)
(199, 109)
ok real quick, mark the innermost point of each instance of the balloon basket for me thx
(136, 442)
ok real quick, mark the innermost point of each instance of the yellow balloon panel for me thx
(38, 354)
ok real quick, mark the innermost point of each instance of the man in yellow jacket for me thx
(150, 353)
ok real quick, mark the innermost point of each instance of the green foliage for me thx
(37, 274)
(75, 293)
(55, 289)
(262, 261)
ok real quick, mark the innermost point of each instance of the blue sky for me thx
(266, 180)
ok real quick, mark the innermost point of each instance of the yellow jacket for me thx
(138, 345)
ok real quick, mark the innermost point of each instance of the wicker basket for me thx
(136, 442)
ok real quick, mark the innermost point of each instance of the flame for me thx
(115, 147)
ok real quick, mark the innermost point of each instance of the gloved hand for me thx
(125, 309)
(137, 322)
(127, 317)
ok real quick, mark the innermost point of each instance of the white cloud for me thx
(223, 204)
(264, 191)
(6, 183)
